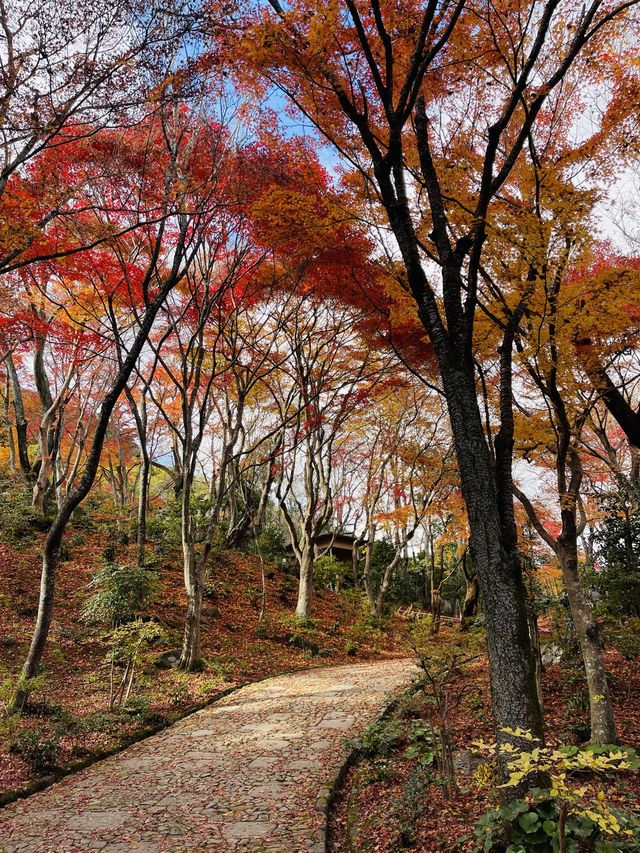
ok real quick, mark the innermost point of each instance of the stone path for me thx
(244, 774)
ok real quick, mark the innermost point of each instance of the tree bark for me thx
(626, 417)
(305, 587)
(588, 633)
(470, 604)
(21, 421)
(191, 657)
(511, 658)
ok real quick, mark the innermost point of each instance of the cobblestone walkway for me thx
(244, 774)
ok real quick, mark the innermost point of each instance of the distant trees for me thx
(164, 252)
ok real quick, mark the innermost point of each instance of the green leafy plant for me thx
(624, 635)
(271, 543)
(378, 739)
(26, 687)
(18, 519)
(328, 572)
(38, 749)
(122, 593)
(571, 815)
(127, 644)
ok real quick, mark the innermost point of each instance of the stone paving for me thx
(245, 774)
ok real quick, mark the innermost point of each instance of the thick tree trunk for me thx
(602, 721)
(511, 657)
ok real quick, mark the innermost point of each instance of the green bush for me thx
(328, 572)
(625, 637)
(122, 593)
(532, 827)
(379, 739)
(571, 815)
(617, 546)
(165, 526)
(38, 749)
(18, 519)
(271, 543)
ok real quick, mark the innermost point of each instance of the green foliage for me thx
(128, 642)
(9, 727)
(617, 548)
(571, 815)
(38, 749)
(122, 593)
(28, 687)
(624, 635)
(271, 543)
(328, 572)
(301, 633)
(350, 648)
(18, 519)
(383, 737)
(165, 526)
(378, 739)
(531, 826)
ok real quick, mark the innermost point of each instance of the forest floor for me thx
(388, 802)
(244, 774)
(68, 723)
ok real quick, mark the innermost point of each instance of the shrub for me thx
(28, 687)
(123, 592)
(625, 637)
(271, 543)
(18, 519)
(38, 749)
(328, 572)
(617, 545)
(127, 643)
(570, 815)
(379, 739)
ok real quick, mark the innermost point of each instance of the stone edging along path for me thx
(248, 773)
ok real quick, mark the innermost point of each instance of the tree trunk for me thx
(10, 442)
(21, 421)
(470, 605)
(143, 500)
(386, 584)
(602, 722)
(191, 657)
(366, 576)
(511, 657)
(305, 588)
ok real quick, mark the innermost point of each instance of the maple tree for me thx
(397, 92)
(183, 192)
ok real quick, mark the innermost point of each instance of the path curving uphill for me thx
(244, 774)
